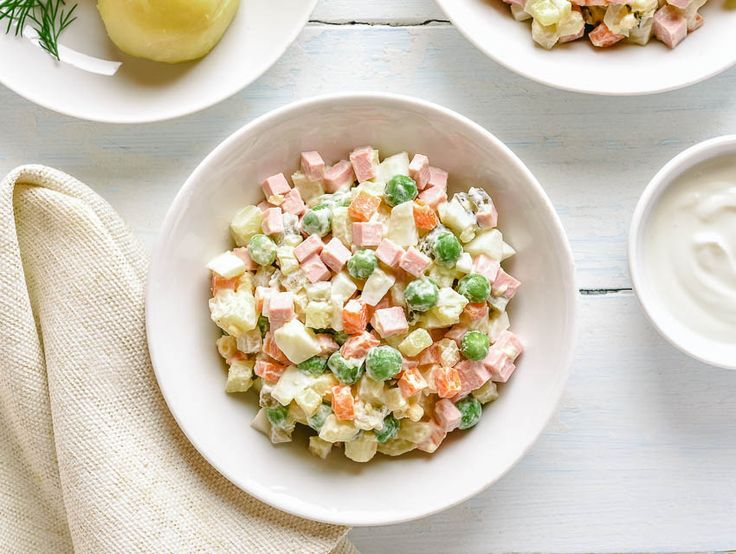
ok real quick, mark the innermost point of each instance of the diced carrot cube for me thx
(220, 283)
(271, 349)
(476, 310)
(355, 317)
(343, 403)
(269, 371)
(425, 217)
(446, 381)
(359, 345)
(411, 382)
(363, 206)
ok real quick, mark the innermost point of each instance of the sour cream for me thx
(689, 249)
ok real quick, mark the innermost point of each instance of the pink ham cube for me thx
(419, 170)
(273, 221)
(447, 415)
(414, 262)
(437, 178)
(243, 254)
(603, 37)
(504, 285)
(670, 25)
(499, 366)
(339, 176)
(456, 333)
(313, 166)
(472, 376)
(435, 439)
(263, 206)
(263, 299)
(486, 266)
(326, 343)
(280, 309)
(363, 163)
(311, 246)
(509, 344)
(389, 253)
(430, 355)
(682, 4)
(390, 321)
(488, 218)
(315, 269)
(367, 233)
(335, 255)
(433, 196)
(293, 203)
(276, 185)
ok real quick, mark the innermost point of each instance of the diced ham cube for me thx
(447, 415)
(339, 176)
(343, 403)
(390, 321)
(486, 266)
(456, 333)
(437, 178)
(412, 381)
(276, 185)
(473, 375)
(263, 298)
(434, 441)
(309, 247)
(263, 206)
(363, 163)
(280, 309)
(326, 343)
(430, 355)
(414, 262)
(315, 270)
(335, 255)
(499, 366)
(243, 254)
(681, 4)
(313, 166)
(419, 170)
(446, 381)
(504, 285)
(273, 221)
(488, 218)
(293, 203)
(271, 349)
(433, 196)
(389, 253)
(603, 37)
(367, 233)
(269, 371)
(509, 344)
(355, 316)
(359, 345)
(220, 283)
(670, 25)
(384, 302)
(408, 365)
(475, 311)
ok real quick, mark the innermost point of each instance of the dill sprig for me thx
(49, 18)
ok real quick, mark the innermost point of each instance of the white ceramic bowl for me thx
(626, 69)
(144, 91)
(657, 309)
(182, 337)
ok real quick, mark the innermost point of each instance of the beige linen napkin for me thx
(90, 458)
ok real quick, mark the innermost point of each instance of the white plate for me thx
(625, 69)
(182, 337)
(144, 91)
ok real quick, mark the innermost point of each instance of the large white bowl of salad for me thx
(612, 47)
(362, 309)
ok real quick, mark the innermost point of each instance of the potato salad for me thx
(364, 303)
(608, 22)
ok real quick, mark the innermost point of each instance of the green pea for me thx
(262, 249)
(400, 189)
(347, 371)
(474, 345)
(263, 325)
(389, 430)
(421, 294)
(470, 411)
(317, 420)
(277, 416)
(317, 221)
(341, 337)
(314, 366)
(362, 264)
(383, 363)
(475, 287)
(447, 249)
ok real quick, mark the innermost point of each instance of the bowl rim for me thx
(566, 257)
(443, 4)
(690, 157)
(174, 113)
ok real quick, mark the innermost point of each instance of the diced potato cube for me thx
(296, 341)
(309, 401)
(227, 346)
(309, 190)
(394, 400)
(454, 215)
(323, 384)
(239, 376)
(401, 226)
(450, 305)
(296, 414)
(370, 390)
(415, 342)
(245, 224)
(318, 314)
(343, 285)
(318, 447)
(396, 447)
(415, 431)
(363, 448)
(250, 342)
(227, 265)
(488, 242)
(377, 286)
(334, 430)
(290, 384)
(287, 260)
(486, 393)
(342, 226)
(234, 311)
(260, 423)
(319, 291)
(398, 164)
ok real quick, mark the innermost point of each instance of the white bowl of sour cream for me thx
(682, 251)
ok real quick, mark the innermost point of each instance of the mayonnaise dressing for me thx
(690, 249)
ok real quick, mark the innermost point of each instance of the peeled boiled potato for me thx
(169, 31)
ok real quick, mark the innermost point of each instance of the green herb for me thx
(48, 18)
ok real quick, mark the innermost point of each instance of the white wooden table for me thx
(642, 454)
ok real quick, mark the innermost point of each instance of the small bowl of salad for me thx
(611, 47)
(360, 302)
